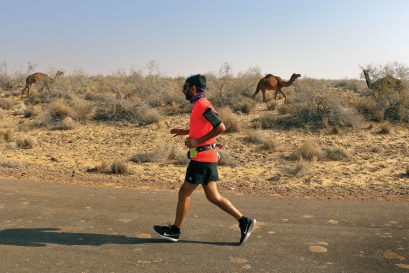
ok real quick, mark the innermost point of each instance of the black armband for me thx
(212, 117)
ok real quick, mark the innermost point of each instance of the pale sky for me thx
(316, 38)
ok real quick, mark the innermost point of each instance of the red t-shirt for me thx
(200, 126)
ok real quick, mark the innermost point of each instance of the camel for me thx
(271, 82)
(39, 77)
(385, 82)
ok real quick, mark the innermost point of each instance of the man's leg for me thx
(213, 195)
(183, 202)
(246, 224)
(172, 232)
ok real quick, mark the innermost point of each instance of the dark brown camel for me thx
(271, 82)
(385, 82)
(39, 77)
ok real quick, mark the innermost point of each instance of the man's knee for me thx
(184, 193)
(216, 199)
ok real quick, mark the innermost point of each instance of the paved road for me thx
(72, 228)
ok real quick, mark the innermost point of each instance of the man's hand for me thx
(191, 142)
(179, 132)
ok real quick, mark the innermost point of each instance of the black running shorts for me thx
(201, 172)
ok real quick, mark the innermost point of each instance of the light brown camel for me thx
(385, 82)
(271, 82)
(39, 77)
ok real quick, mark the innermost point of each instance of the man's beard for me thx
(189, 95)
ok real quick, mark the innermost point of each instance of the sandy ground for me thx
(377, 168)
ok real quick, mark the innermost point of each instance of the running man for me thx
(205, 126)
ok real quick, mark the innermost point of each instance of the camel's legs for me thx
(281, 91)
(285, 96)
(255, 93)
(264, 95)
(27, 87)
(275, 94)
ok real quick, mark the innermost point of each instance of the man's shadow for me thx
(38, 237)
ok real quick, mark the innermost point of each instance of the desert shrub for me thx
(119, 167)
(337, 154)
(269, 145)
(242, 104)
(133, 111)
(311, 150)
(178, 155)
(161, 154)
(6, 136)
(230, 120)
(354, 85)
(99, 168)
(254, 137)
(83, 109)
(270, 120)
(10, 81)
(6, 104)
(9, 163)
(283, 109)
(147, 115)
(55, 113)
(271, 105)
(25, 143)
(67, 124)
(312, 108)
(301, 168)
(178, 107)
(378, 149)
(30, 112)
(385, 128)
(318, 109)
(224, 89)
(369, 108)
(226, 159)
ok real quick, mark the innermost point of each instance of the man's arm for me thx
(194, 142)
(179, 132)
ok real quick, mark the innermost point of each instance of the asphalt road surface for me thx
(73, 228)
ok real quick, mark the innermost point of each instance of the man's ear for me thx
(194, 90)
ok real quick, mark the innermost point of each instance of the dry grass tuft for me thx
(254, 137)
(8, 163)
(6, 104)
(385, 128)
(100, 168)
(119, 167)
(230, 120)
(284, 109)
(269, 145)
(6, 136)
(67, 124)
(30, 112)
(163, 153)
(311, 150)
(301, 168)
(271, 105)
(25, 143)
(337, 154)
(55, 113)
(158, 155)
(83, 110)
(226, 159)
